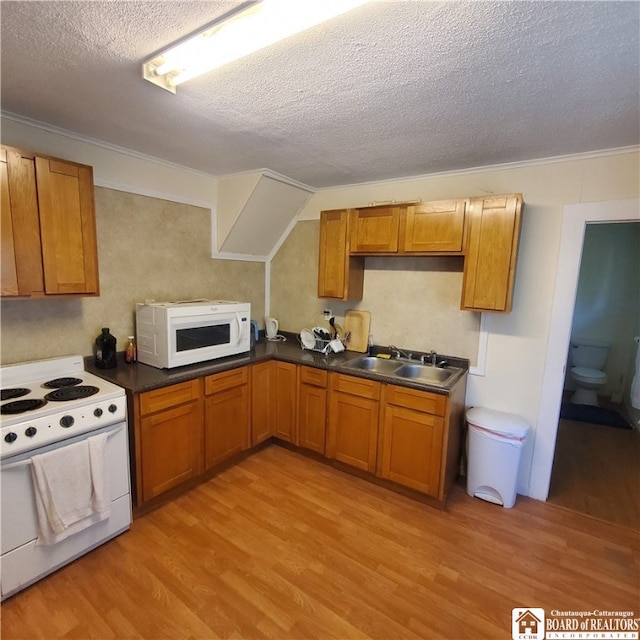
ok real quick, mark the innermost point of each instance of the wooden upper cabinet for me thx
(484, 230)
(339, 275)
(52, 225)
(433, 227)
(21, 225)
(7, 251)
(375, 229)
(491, 251)
(67, 227)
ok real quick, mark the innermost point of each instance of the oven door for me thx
(197, 338)
(24, 562)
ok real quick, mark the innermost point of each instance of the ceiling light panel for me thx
(240, 33)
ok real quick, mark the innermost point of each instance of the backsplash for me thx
(414, 302)
(147, 249)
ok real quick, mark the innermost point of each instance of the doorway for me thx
(596, 468)
(575, 218)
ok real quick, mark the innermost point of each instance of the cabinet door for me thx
(434, 227)
(284, 397)
(262, 407)
(67, 227)
(339, 275)
(352, 432)
(375, 230)
(20, 210)
(492, 247)
(412, 448)
(312, 409)
(171, 448)
(227, 425)
(9, 273)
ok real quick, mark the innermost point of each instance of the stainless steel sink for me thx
(415, 371)
(425, 373)
(373, 364)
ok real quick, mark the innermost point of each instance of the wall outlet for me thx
(327, 314)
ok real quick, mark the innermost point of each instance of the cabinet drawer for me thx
(355, 386)
(315, 377)
(166, 397)
(226, 380)
(414, 399)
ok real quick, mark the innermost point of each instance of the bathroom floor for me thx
(596, 471)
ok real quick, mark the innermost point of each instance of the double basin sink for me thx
(407, 370)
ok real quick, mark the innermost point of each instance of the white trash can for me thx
(495, 446)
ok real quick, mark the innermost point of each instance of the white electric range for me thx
(46, 405)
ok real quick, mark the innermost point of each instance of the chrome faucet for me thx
(397, 353)
(431, 359)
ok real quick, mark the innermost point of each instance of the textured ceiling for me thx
(391, 89)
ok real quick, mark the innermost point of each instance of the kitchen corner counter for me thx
(188, 422)
(138, 378)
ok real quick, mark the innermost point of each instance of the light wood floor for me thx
(596, 471)
(281, 546)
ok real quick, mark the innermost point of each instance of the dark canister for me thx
(105, 350)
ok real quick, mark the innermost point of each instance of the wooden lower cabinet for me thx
(170, 438)
(412, 435)
(407, 436)
(227, 426)
(262, 387)
(352, 429)
(312, 408)
(273, 401)
(285, 401)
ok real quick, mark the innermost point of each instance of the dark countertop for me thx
(138, 377)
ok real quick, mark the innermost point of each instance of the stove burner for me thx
(22, 406)
(61, 382)
(18, 392)
(71, 393)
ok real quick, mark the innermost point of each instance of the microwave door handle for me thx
(239, 323)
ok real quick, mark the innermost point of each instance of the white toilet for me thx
(588, 360)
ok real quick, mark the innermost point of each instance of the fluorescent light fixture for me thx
(252, 27)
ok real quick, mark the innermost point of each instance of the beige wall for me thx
(510, 378)
(414, 302)
(147, 249)
(513, 361)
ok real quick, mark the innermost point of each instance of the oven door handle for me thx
(24, 463)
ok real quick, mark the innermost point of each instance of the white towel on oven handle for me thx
(71, 488)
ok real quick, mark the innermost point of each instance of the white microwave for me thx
(175, 334)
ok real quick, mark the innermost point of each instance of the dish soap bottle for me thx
(105, 350)
(130, 350)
